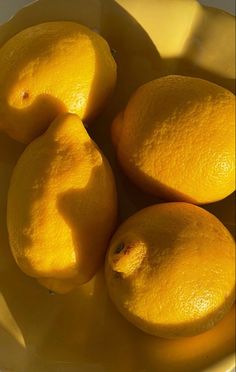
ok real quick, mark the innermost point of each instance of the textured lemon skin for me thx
(52, 68)
(61, 206)
(176, 139)
(170, 270)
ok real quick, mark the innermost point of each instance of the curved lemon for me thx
(170, 270)
(176, 139)
(61, 206)
(52, 68)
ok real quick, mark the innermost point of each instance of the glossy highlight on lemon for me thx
(61, 206)
(49, 69)
(176, 139)
(170, 270)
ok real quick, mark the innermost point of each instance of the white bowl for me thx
(82, 331)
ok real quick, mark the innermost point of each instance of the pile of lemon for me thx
(170, 268)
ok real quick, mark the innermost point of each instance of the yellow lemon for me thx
(61, 206)
(52, 68)
(176, 139)
(170, 270)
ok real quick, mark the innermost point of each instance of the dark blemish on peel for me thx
(122, 247)
(119, 248)
(113, 52)
(25, 95)
(127, 249)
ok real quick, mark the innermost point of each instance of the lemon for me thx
(170, 270)
(61, 206)
(176, 139)
(49, 69)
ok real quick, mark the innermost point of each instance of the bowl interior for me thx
(82, 330)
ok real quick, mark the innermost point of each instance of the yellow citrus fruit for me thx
(176, 139)
(61, 206)
(170, 270)
(52, 68)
